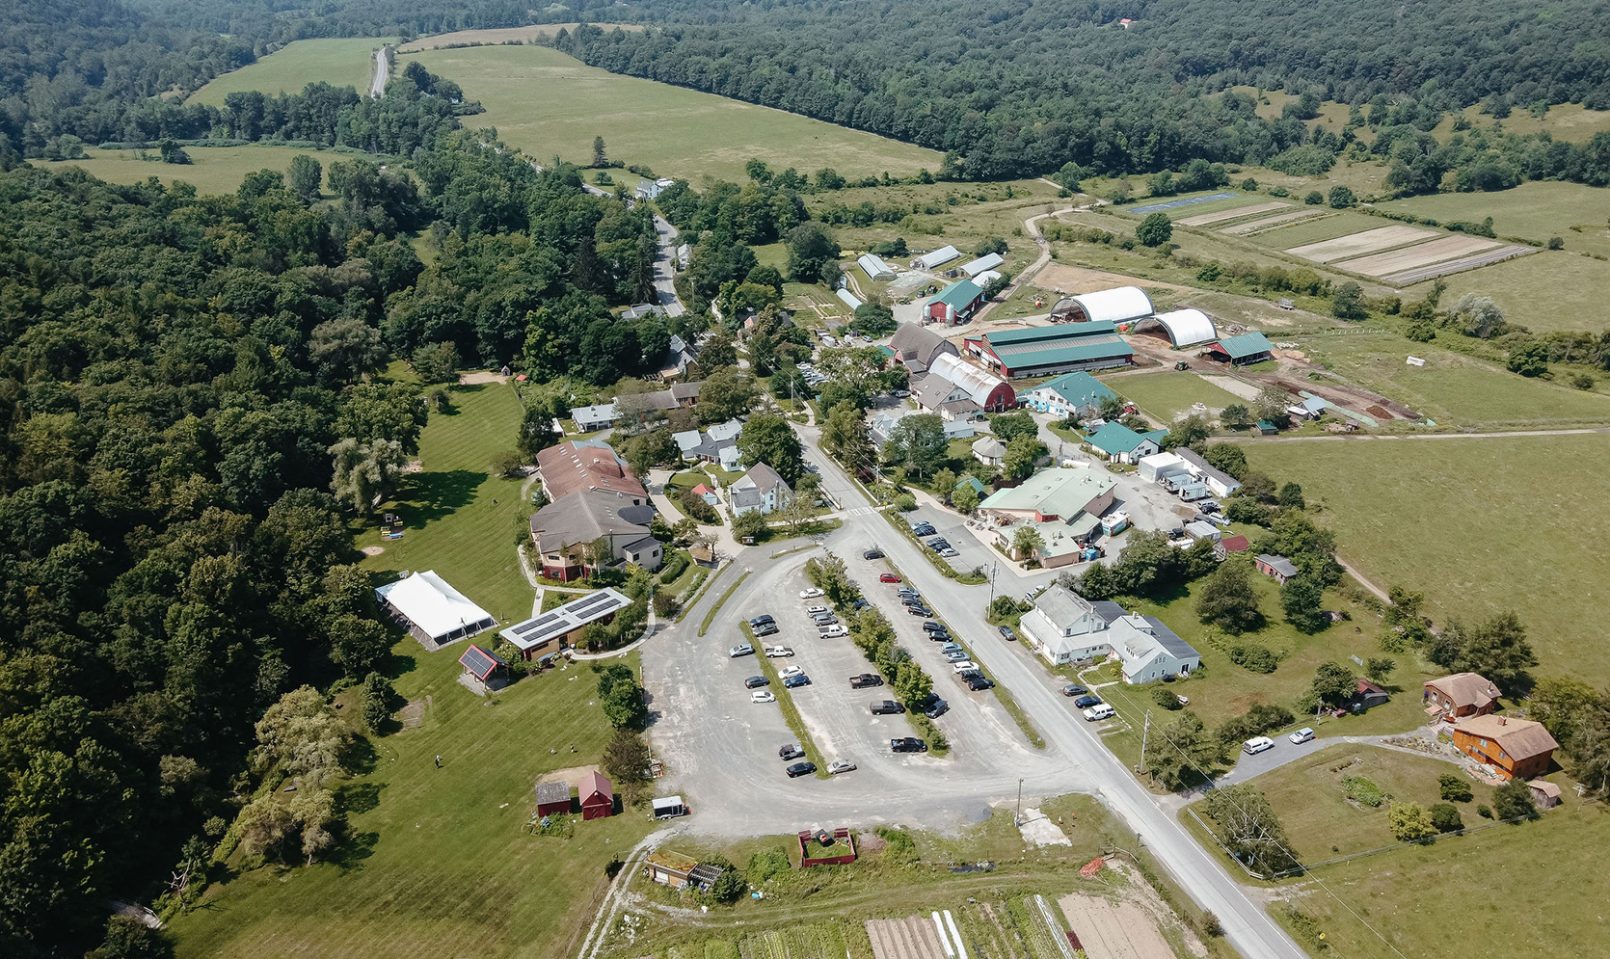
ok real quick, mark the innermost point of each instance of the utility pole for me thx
(993, 566)
(1145, 732)
(1017, 817)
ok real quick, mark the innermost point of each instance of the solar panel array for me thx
(478, 661)
(562, 619)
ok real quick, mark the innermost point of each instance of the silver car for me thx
(839, 766)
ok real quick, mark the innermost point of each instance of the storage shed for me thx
(1243, 349)
(597, 796)
(937, 258)
(1182, 327)
(553, 799)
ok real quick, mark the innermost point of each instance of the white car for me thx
(811, 593)
(815, 610)
(776, 651)
(839, 766)
(965, 666)
(1257, 744)
(1302, 735)
(762, 696)
(790, 671)
(1098, 712)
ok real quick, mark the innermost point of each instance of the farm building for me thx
(1160, 467)
(1124, 304)
(1061, 493)
(482, 666)
(916, 347)
(1243, 349)
(553, 798)
(1545, 794)
(873, 266)
(1309, 408)
(432, 611)
(1182, 327)
(987, 262)
(936, 259)
(1064, 627)
(1278, 568)
(668, 807)
(1120, 444)
(989, 451)
(677, 871)
(1071, 394)
(597, 796)
(1217, 480)
(760, 490)
(849, 299)
(564, 531)
(1228, 545)
(1367, 696)
(956, 389)
(1460, 695)
(1048, 350)
(542, 637)
(591, 419)
(954, 304)
(1511, 748)
(586, 465)
(987, 277)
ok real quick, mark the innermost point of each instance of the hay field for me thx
(1270, 222)
(211, 170)
(549, 104)
(494, 37)
(1357, 244)
(1421, 254)
(1233, 213)
(1577, 214)
(340, 62)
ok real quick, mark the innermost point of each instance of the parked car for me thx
(840, 766)
(935, 708)
(888, 578)
(774, 652)
(760, 621)
(978, 682)
(872, 554)
(865, 680)
(813, 610)
(755, 682)
(907, 744)
(1087, 701)
(742, 649)
(788, 671)
(1257, 744)
(1074, 689)
(1007, 634)
(800, 769)
(951, 647)
(918, 611)
(886, 707)
(901, 394)
(954, 655)
(790, 751)
(1208, 506)
(795, 681)
(810, 593)
(832, 631)
(924, 529)
(1302, 735)
(949, 553)
(762, 696)
(1097, 713)
(963, 665)
(859, 603)
(766, 629)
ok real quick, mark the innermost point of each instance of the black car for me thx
(1074, 689)
(935, 708)
(907, 744)
(912, 601)
(865, 680)
(872, 554)
(918, 611)
(790, 751)
(978, 682)
(935, 627)
(1007, 634)
(800, 769)
(797, 680)
(860, 603)
(1085, 702)
(886, 707)
(755, 682)
(924, 529)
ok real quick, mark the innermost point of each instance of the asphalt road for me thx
(382, 74)
(664, 272)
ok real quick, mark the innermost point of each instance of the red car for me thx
(888, 578)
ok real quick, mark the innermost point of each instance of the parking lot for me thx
(971, 553)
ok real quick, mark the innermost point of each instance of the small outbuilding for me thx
(597, 796)
(1243, 349)
(1227, 546)
(668, 807)
(1120, 444)
(1545, 795)
(482, 666)
(553, 798)
(1278, 568)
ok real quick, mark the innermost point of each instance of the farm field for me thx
(1452, 389)
(340, 62)
(211, 170)
(1534, 211)
(1403, 509)
(525, 34)
(1546, 291)
(549, 104)
(1169, 396)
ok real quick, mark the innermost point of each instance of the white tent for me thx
(434, 610)
(1186, 327)
(849, 299)
(939, 257)
(988, 261)
(1119, 305)
(874, 267)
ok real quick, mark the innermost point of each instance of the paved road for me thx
(664, 269)
(382, 74)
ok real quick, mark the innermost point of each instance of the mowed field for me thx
(211, 170)
(525, 34)
(1170, 395)
(548, 104)
(1479, 525)
(341, 62)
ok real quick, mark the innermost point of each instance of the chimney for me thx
(1502, 721)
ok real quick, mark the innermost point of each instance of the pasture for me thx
(1479, 525)
(1571, 122)
(501, 35)
(549, 104)
(340, 62)
(211, 170)
(1579, 215)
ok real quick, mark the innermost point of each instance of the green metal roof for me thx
(958, 295)
(1060, 491)
(971, 481)
(1080, 389)
(1245, 345)
(1052, 354)
(1114, 438)
(886, 351)
(1064, 331)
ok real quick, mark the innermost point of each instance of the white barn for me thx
(874, 267)
(989, 261)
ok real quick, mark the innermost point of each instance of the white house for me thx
(760, 490)
(1064, 627)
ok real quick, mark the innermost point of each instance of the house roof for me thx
(566, 617)
(989, 447)
(988, 261)
(915, 346)
(1063, 606)
(958, 295)
(1061, 491)
(596, 784)
(1117, 305)
(1279, 564)
(585, 516)
(1245, 345)
(1466, 689)
(479, 662)
(1187, 327)
(1041, 334)
(1053, 351)
(972, 481)
(1235, 544)
(584, 464)
(599, 413)
(1520, 738)
(552, 792)
(672, 861)
(760, 478)
(1108, 610)
(1546, 788)
(429, 603)
(1078, 389)
(1205, 470)
(1114, 438)
(976, 381)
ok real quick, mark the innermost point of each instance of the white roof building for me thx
(874, 266)
(433, 610)
(987, 277)
(988, 261)
(1122, 304)
(978, 382)
(1187, 327)
(937, 258)
(1159, 466)
(1064, 627)
(848, 299)
(1218, 481)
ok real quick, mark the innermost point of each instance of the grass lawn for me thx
(548, 104)
(460, 518)
(1169, 396)
(1448, 517)
(340, 62)
(1452, 389)
(211, 170)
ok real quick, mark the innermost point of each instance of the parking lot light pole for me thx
(1017, 817)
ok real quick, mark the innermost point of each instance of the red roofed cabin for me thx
(1512, 748)
(597, 796)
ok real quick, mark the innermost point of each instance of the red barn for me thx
(597, 796)
(553, 799)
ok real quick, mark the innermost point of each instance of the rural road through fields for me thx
(381, 75)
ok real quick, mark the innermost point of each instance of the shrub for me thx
(674, 565)
(1483, 811)
(1445, 816)
(1314, 198)
(1164, 697)
(1454, 788)
(1555, 243)
(509, 465)
(1410, 822)
(1363, 791)
(1155, 230)
(1251, 656)
(1582, 381)
(905, 502)
(1513, 800)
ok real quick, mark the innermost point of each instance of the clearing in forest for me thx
(340, 62)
